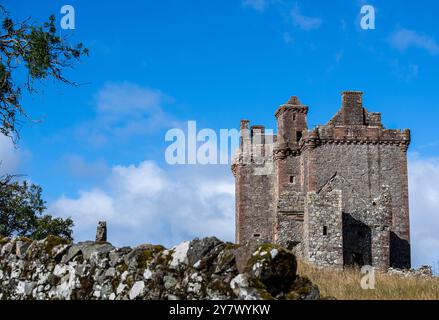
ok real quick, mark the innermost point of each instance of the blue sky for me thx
(154, 65)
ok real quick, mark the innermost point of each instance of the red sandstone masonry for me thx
(354, 154)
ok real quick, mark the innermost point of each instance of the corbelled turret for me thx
(291, 122)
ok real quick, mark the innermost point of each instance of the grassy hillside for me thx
(345, 285)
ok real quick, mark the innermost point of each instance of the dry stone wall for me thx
(199, 269)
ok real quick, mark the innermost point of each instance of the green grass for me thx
(345, 285)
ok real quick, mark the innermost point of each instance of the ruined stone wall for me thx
(289, 232)
(365, 168)
(357, 241)
(289, 222)
(55, 269)
(322, 239)
(366, 238)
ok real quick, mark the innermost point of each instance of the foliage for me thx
(36, 51)
(49, 226)
(21, 212)
(41, 53)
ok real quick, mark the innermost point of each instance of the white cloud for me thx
(403, 39)
(144, 180)
(144, 203)
(124, 110)
(258, 5)
(424, 209)
(9, 156)
(304, 22)
(89, 206)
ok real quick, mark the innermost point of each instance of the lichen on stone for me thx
(200, 269)
(144, 257)
(52, 241)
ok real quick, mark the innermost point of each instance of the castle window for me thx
(294, 116)
(256, 235)
(325, 230)
(293, 179)
(298, 135)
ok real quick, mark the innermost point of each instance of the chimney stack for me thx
(352, 107)
(245, 144)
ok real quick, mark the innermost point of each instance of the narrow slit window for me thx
(298, 135)
(256, 235)
(293, 179)
(325, 230)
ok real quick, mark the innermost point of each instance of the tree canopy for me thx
(21, 212)
(42, 54)
(33, 49)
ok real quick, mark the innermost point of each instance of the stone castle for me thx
(336, 195)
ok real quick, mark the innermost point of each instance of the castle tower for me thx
(291, 123)
(291, 126)
(254, 186)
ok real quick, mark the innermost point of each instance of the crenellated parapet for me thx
(348, 135)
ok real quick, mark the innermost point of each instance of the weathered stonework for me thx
(336, 194)
(101, 231)
(55, 269)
